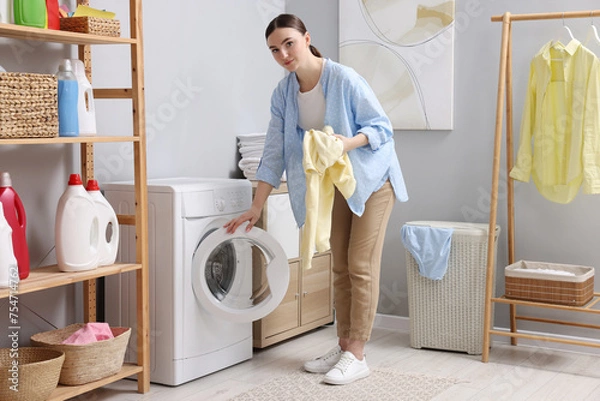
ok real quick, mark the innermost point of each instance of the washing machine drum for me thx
(240, 277)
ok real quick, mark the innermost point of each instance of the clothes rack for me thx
(505, 89)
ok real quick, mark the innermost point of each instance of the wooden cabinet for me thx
(49, 276)
(308, 302)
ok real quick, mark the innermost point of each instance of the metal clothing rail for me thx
(505, 89)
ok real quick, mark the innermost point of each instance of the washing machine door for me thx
(240, 277)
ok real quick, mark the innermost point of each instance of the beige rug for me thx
(381, 385)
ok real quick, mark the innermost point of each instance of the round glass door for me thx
(240, 277)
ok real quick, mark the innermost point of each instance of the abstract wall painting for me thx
(405, 50)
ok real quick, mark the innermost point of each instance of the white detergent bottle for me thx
(9, 271)
(109, 226)
(6, 11)
(86, 110)
(77, 229)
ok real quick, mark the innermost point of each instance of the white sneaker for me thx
(347, 370)
(324, 363)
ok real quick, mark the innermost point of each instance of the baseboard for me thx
(403, 324)
(392, 322)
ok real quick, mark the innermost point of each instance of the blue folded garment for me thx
(430, 246)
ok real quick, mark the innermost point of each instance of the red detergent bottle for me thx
(14, 212)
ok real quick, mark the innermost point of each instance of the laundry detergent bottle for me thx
(14, 212)
(9, 272)
(6, 15)
(77, 230)
(68, 92)
(52, 14)
(86, 110)
(109, 226)
(30, 13)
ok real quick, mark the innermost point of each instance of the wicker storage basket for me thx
(28, 105)
(549, 282)
(91, 25)
(88, 362)
(37, 375)
(448, 314)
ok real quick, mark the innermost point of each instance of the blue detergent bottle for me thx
(68, 122)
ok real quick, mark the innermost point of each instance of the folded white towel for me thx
(250, 169)
(252, 136)
(250, 146)
(249, 162)
(252, 153)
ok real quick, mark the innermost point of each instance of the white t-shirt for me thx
(311, 107)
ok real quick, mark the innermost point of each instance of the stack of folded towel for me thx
(251, 149)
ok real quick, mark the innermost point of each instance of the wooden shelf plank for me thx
(65, 392)
(64, 139)
(557, 321)
(50, 35)
(50, 277)
(583, 309)
(113, 93)
(590, 343)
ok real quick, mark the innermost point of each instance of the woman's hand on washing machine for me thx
(251, 216)
(263, 190)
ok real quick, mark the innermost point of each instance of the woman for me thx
(319, 92)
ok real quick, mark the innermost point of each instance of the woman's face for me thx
(289, 47)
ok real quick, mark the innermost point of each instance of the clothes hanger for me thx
(567, 28)
(592, 41)
(594, 30)
(557, 41)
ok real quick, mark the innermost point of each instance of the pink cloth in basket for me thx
(90, 333)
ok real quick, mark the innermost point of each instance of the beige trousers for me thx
(356, 247)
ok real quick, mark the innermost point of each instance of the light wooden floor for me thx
(513, 373)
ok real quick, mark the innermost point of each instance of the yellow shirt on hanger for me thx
(561, 117)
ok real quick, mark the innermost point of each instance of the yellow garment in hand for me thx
(326, 165)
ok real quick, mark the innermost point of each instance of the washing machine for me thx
(204, 290)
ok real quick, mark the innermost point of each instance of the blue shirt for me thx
(351, 107)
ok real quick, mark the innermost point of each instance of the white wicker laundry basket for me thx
(448, 314)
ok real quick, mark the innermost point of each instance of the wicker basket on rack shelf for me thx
(85, 363)
(549, 282)
(28, 105)
(92, 25)
(35, 377)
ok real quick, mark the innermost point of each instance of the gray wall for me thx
(209, 77)
(448, 173)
